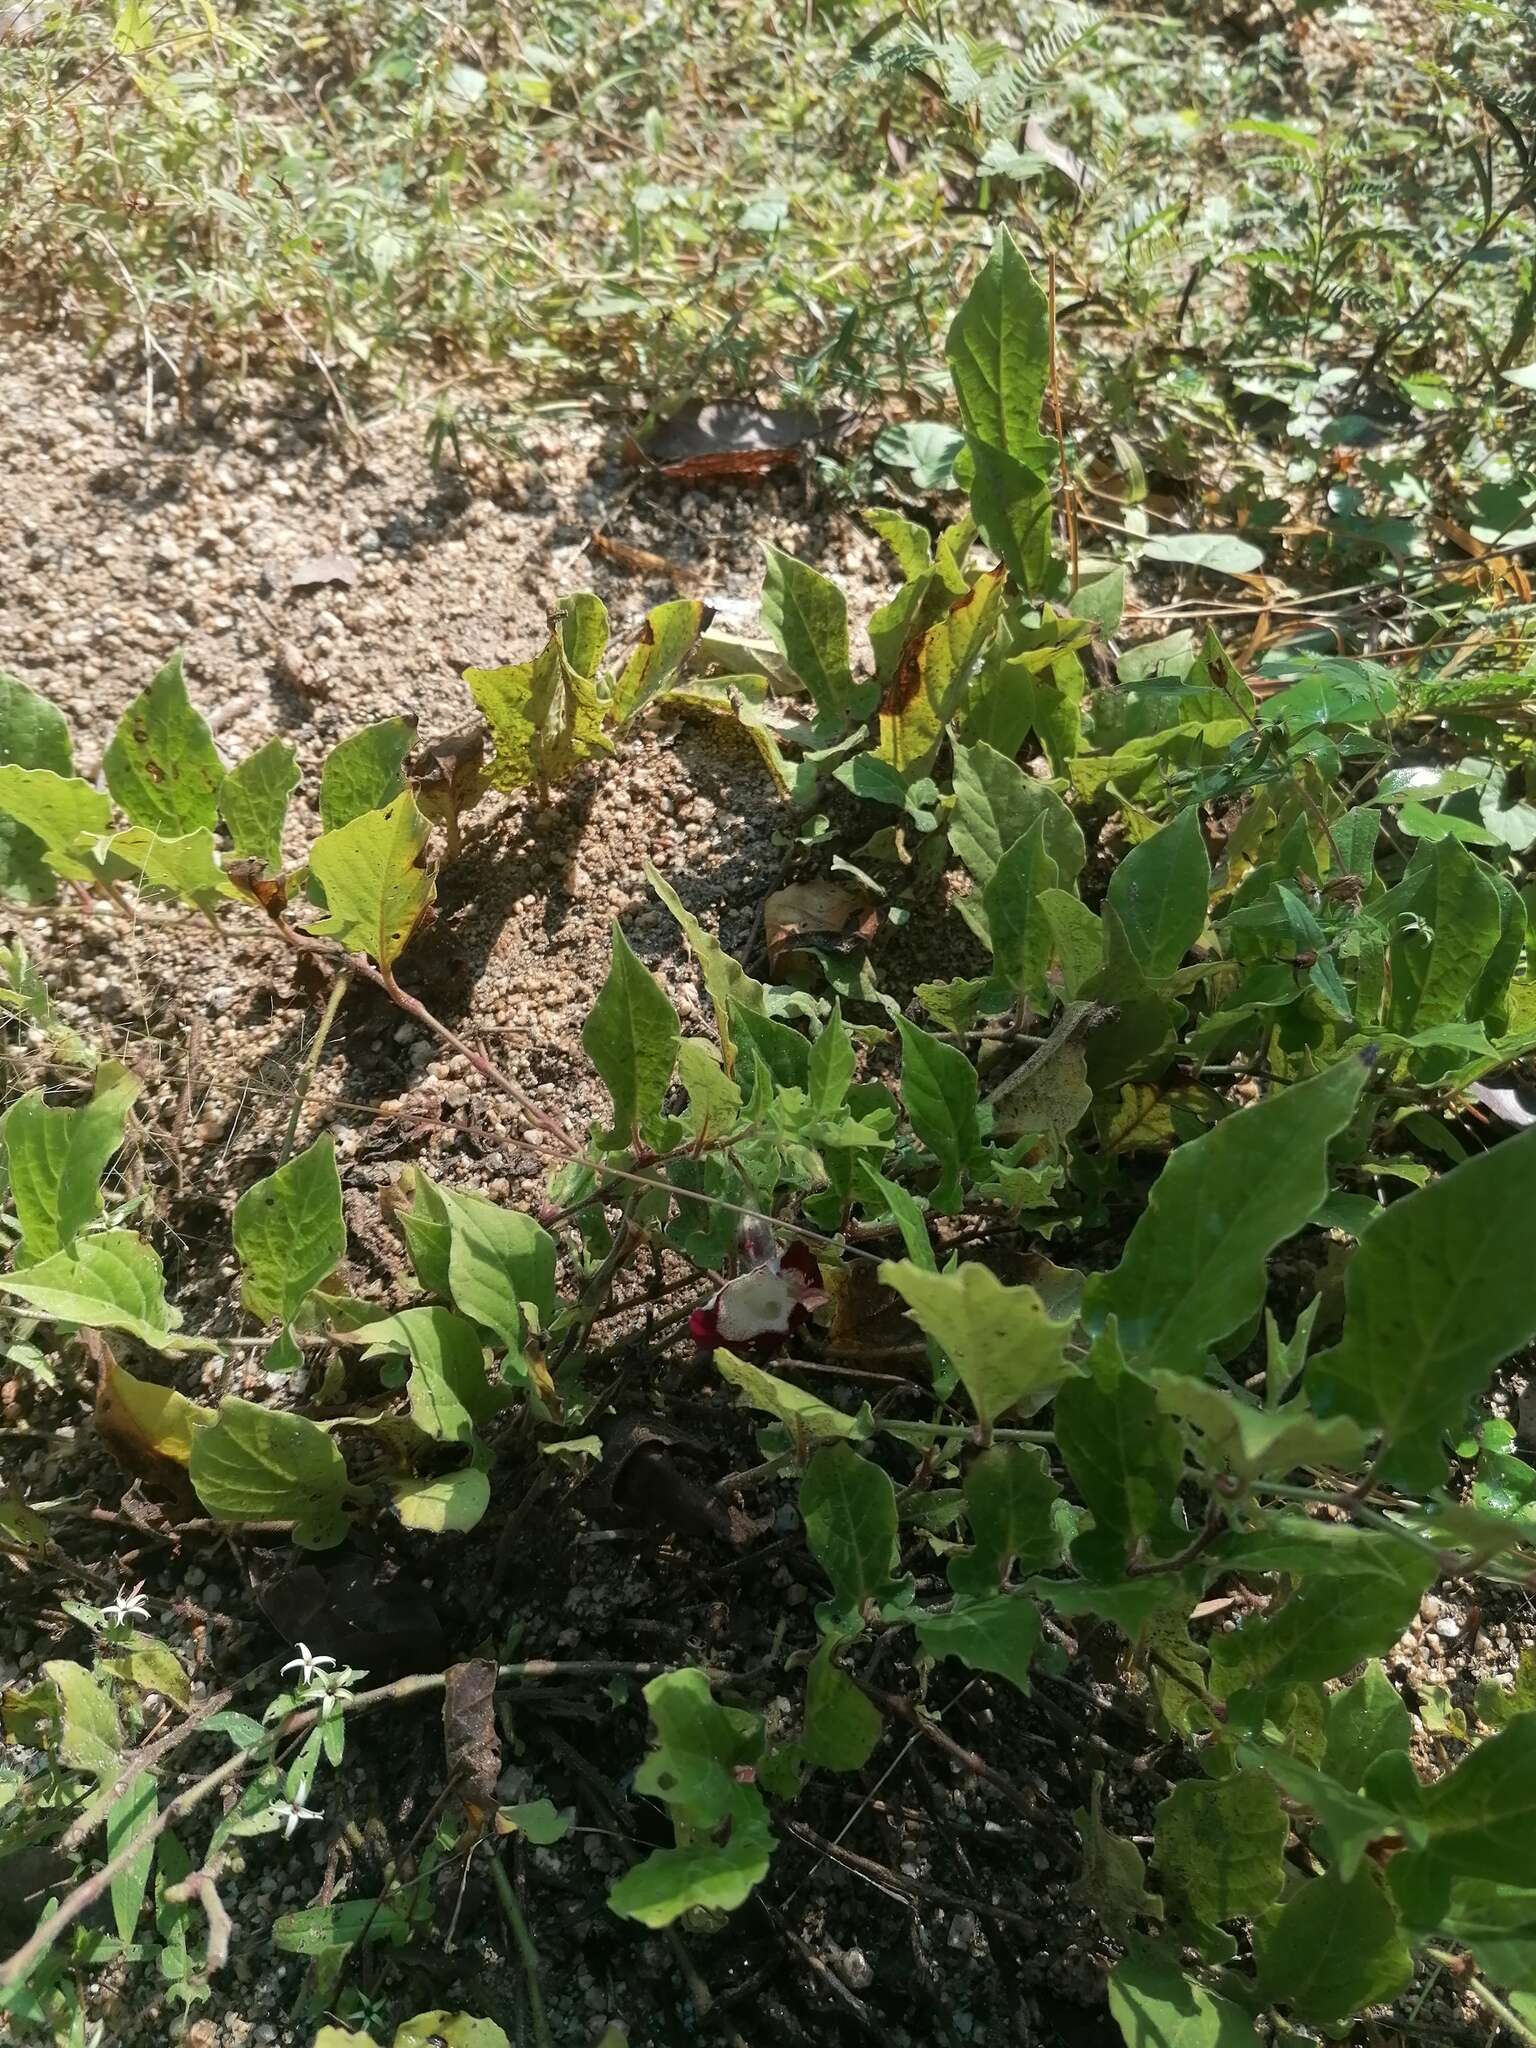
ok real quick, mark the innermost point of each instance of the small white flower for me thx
(307, 1663)
(130, 1601)
(294, 1810)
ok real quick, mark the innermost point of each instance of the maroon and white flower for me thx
(766, 1303)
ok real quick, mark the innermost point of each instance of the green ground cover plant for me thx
(1239, 955)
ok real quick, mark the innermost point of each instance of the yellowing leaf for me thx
(545, 715)
(1000, 1340)
(927, 686)
(376, 880)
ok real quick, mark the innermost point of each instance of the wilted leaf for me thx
(667, 640)
(927, 685)
(311, 572)
(148, 1429)
(470, 1740)
(546, 715)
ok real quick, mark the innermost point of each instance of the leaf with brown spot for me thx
(929, 683)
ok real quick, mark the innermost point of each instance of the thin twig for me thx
(339, 986)
(528, 1955)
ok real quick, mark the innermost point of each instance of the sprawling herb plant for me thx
(1241, 944)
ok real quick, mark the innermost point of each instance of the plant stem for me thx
(414, 1686)
(1489, 2000)
(333, 1002)
(528, 1954)
(934, 1431)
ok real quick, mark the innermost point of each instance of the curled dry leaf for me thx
(822, 915)
(149, 1431)
(726, 439)
(469, 1736)
(314, 572)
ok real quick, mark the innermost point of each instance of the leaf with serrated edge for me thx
(848, 1506)
(1000, 1340)
(996, 1633)
(1333, 1949)
(1009, 1501)
(631, 1036)
(1193, 1268)
(364, 772)
(253, 802)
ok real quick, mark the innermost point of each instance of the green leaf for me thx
(185, 866)
(939, 1093)
(807, 619)
(253, 801)
(450, 1504)
(832, 1064)
(1237, 1435)
(1442, 942)
(498, 1260)
(55, 1159)
(448, 2029)
(33, 734)
(289, 1232)
(1352, 1822)
(881, 1196)
(1333, 1949)
(666, 642)
(1218, 1848)
(61, 812)
(424, 1226)
(1366, 1721)
(1113, 1878)
(539, 1819)
(702, 1766)
(1159, 892)
(1223, 552)
(999, 352)
(997, 1632)
(1498, 1924)
(805, 1417)
(996, 803)
(1010, 1500)
(911, 544)
(89, 1736)
(1000, 1340)
(1193, 1270)
(109, 1281)
(1328, 1624)
(1125, 1458)
(264, 1465)
(841, 1726)
(135, 1806)
(848, 1506)
(714, 1100)
(631, 1036)
(449, 1392)
(1482, 1817)
(376, 880)
(1011, 501)
(162, 766)
(365, 772)
(1437, 1295)
(1156, 2006)
(1020, 932)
